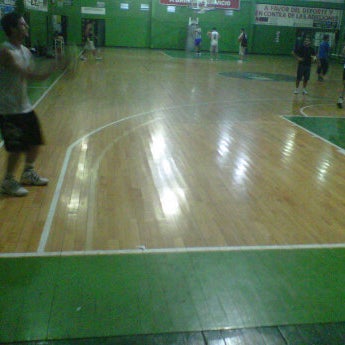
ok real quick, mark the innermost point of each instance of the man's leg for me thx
(9, 184)
(30, 176)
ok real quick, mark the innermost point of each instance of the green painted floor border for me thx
(59, 297)
(331, 129)
(314, 334)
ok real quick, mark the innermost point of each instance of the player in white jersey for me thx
(19, 124)
(214, 37)
(197, 40)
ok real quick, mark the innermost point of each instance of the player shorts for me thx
(20, 131)
(303, 72)
(197, 41)
(323, 66)
(242, 50)
(90, 45)
(214, 47)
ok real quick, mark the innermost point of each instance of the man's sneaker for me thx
(30, 177)
(305, 92)
(340, 102)
(12, 187)
(296, 92)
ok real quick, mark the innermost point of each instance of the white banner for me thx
(93, 10)
(37, 5)
(307, 17)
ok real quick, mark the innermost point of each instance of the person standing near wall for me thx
(214, 37)
(323, 58)
(197, 39)
(90, 38)
(243, 40)
(342, 93)
(304, 55)
(19, 123)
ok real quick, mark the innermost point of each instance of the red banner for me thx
(221, 4)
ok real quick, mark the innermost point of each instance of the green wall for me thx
(156, 28)
(169, 29)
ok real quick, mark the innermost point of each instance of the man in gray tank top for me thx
(19, 124)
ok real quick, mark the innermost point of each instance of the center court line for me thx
(57, 193)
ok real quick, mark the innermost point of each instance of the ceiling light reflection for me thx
(166, 177)
(323, 170)
(171, 200)
(289, 145)
(241, 168)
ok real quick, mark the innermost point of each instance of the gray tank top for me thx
(13, 87)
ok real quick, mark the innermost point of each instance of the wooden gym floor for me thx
(186, 196)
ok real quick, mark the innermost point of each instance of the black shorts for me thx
(303, 72)
(344, 74)
(20, 131)
(323, 66)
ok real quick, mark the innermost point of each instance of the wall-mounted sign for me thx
(221, 4)
(37, 5)
(93, 10)
(144, 7)
(306, 17)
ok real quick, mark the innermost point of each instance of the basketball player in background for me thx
(214, 37)
(305, 56)
(197, 40)
(90, 37)
(243, 41)
(19, 124)
(342, 93)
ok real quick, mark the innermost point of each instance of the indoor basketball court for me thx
(190, 202)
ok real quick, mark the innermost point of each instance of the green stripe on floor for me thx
(110, 295)
(331, 129)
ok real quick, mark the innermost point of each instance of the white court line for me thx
(57, 193)
(177, 250)
(94, 176)
(339, 149)
(49, 88)
(53, 205)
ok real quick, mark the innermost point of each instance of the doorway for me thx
(59, 24)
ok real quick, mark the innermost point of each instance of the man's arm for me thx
(298, 58)
(30, 73)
